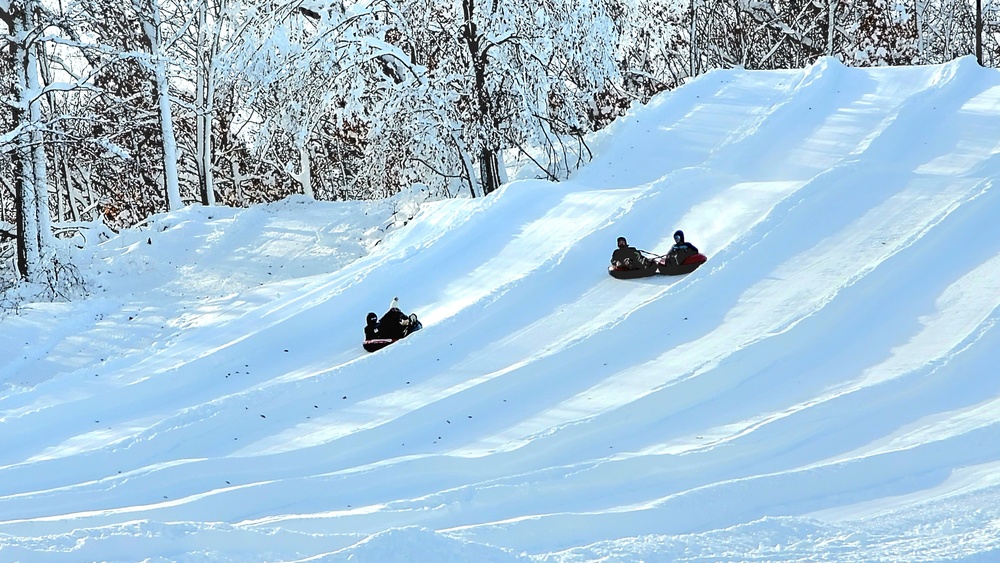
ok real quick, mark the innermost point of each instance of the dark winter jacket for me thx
(371, 326)
(635, 259)
(679, 252)
(393, 324)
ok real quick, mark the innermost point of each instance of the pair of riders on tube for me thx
(394, 324)
(629, 257)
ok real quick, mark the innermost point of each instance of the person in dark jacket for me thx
(371, 327)
(394, 323)
(627, 256)
(681, 249)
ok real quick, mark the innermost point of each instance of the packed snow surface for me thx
(824, 388)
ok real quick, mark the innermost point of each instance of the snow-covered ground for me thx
(825, 388)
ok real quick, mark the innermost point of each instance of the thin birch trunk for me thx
(205, 94)
(831, 26)
(151, 27)
(304, 176)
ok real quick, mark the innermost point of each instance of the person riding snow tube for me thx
(627, 262)
(394, 325)
(681, 249)
(683, 257)
(628, 257)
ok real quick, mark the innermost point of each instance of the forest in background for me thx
(115, 111)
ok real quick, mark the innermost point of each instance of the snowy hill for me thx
(824, 388)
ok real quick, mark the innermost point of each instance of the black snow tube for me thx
(374, 344)
(627, 274)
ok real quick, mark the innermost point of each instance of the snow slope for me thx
(824, 388)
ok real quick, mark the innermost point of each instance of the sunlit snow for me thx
(824, 388)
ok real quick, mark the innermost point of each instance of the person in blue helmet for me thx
(681, 249)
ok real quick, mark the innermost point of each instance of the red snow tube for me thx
(689, 265)
(695, 259)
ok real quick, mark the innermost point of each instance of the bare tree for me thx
(26, 141)
(152, 27)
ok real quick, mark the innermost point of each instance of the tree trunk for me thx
(831, 26)
(27, 248)
(73, 196)
(489, 169)
(205, 86)
(151, 27)
(979, 32)
(693, 71)
(31, 185)
(948, 30)
(304, 175)
(488, 151)
(919, 21)
(470, 171)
